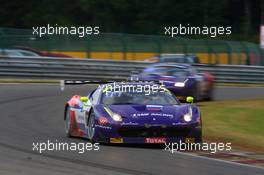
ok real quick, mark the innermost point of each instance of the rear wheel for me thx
(67, 123)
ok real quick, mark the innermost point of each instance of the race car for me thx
(175, 58)
(181, 79)
(110, 114)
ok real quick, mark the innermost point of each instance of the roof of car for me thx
(175, 56)
(176, 65)
(133, 83)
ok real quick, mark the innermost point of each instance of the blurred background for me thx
(225, 74)
(134, 30)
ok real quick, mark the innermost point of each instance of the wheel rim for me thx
(91, 128)
(67, 122)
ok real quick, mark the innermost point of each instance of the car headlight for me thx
(115, 117)
(179, 84)
(188, 117)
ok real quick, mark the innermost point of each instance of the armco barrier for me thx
(90, 69)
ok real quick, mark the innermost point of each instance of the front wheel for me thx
(91, 126)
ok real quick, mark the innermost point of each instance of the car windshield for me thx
(169, 71)
(188, 59)
(141, 98)
(175, 59)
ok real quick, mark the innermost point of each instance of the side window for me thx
(193, 71)
(95, 96)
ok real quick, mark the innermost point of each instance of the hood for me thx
(150, 113)
(173, 78)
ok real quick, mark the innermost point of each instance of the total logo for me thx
(155, 140)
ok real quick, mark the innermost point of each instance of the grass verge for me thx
(239, 122)
(238, 85)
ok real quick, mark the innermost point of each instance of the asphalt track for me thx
(34, 113)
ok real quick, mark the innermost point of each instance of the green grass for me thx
(238, 122)
(238, 85)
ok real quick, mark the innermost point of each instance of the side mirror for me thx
(84, 99)
(189, 99)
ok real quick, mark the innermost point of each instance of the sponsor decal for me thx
(103, 127)
(129, 123)
(180, 97)
(154, 107)
(102, 121)
(155, 125)
(155, 140)
(136, 115)
(80, 118)
(116, 140)
(189, 140)
(161, 114)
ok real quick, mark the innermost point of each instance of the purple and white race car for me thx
(181, 79)
(133, 114)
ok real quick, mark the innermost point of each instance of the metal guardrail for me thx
(91, 69)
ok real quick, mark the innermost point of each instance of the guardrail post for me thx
(48, 44)
(88, 48)
(185, 47)
(159, 45)
(209, 49)
(261, 51)
(229, 52)
(246, 52)
(124, 46)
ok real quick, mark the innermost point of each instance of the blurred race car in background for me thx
(113, 116)
(41, 53)
(15, 53)
(175, 58)
(29, 52)
(181, 79)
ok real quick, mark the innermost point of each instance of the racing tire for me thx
(67, 123)
(91, 126)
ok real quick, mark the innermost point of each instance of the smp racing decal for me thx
(153, 114)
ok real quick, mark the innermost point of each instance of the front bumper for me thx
(153, 135)
(152, 140)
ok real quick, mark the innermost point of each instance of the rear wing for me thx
(80, 82)
(63, 83)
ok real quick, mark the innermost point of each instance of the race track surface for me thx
(34, 113)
